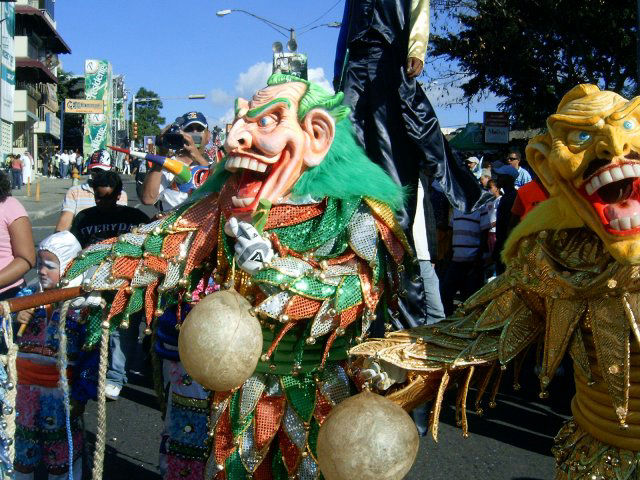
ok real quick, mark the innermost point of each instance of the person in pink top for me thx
(17, 252)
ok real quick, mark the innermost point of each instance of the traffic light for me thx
(135, 129)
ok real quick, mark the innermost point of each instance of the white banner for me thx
(8, 66)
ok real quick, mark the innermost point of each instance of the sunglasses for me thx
(195, 128)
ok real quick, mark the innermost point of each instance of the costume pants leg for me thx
(435, 310)
(116, 372)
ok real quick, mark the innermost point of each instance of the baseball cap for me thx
(472, 160)
(194, 117)
(506, 170)
(100, 159)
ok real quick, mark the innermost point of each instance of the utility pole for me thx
(133, 119)
(62, 124)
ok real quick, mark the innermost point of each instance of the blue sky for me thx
(181, 47)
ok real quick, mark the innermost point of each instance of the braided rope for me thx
(12, 377)
(101, 430)
(63, 363)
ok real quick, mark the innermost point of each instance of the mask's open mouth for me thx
(254, 175)
(613, 190)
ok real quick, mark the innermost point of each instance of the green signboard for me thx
(98, 86)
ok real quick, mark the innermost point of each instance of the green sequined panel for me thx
(313, 233)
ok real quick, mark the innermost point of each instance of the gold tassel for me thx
(437, 407)
(494, 392)
(463, 404)
(483, 387)
(517, 368)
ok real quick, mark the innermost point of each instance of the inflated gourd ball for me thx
(220, 342)
(367, 437)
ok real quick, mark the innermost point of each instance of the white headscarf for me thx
(63, 245)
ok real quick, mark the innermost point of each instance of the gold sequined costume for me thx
(572, 286)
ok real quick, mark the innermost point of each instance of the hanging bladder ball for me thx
(220, 342)
(367, 437)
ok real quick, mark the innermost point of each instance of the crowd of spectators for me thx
(470, 243)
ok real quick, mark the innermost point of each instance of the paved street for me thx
(511, 442)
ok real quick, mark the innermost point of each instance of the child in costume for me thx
(184, 448)
(42, 432)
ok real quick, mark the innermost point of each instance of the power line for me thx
(321, 16)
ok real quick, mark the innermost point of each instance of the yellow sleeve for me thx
(419, 34)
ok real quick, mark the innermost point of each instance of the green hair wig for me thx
(314, 97)
(347, 172)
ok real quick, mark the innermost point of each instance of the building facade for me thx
(37, 44)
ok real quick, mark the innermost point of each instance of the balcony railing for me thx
(47, 6)
(32, 91)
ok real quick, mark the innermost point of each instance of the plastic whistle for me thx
(181, 171)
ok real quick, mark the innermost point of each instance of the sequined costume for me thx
(572, 286)
(340, 259)
(41, 436)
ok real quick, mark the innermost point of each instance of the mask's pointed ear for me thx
(537, 152)
(320, 128)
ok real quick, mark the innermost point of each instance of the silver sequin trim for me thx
(294, 427)
(172, 276)
(325, 249)
(132, 238)
(308, 469)
(274, 305)
(217, 409)
(150, 226)
(335, 387)
(97, 248)
(248, 453)
(143, 277)
(322, 323)
(363, 234)
(100, 279)
(290, 266)
(251, 391)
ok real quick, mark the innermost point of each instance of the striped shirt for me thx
(80, 197)
(466, 235)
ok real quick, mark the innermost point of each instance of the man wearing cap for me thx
(523, 176)
(473, 164)
(81, 197)
(159, 184)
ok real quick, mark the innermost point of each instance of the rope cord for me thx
(101, 430)
(63, 382)
(9, 400)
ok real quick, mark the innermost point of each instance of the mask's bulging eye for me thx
(266, 121)
(628, 125)
(578, 137)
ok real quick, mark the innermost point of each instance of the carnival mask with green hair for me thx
(280, 140)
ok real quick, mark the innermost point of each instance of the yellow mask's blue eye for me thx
(265, 121)
(578, 137)
(628, 125)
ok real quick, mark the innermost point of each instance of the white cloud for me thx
(227, 117)
(220, 98)
(316, 75)
(253, 79)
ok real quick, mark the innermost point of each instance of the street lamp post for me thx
(292, 44)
